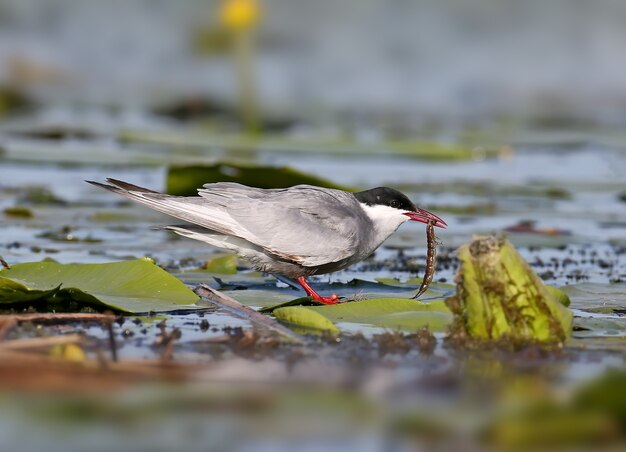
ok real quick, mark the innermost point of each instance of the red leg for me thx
(333, 299)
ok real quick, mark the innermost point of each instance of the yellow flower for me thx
(69, 352)
(239, 14)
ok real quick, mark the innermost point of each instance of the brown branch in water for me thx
(46, 317)
(242, 311)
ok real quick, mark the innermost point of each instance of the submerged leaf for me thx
(131, 286)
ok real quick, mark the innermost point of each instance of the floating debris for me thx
(528, 227)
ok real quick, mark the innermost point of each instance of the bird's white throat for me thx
(386, 219)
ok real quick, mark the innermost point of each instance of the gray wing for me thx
(305, 224)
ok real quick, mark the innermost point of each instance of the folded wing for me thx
(304, 224)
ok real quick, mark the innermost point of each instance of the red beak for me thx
(423, 216)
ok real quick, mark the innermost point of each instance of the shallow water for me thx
(585, 219)
(579, 240)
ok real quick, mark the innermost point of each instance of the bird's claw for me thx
(333, 299)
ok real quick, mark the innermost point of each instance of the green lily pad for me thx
(14, 292)
(132, 286)
(392, 313)
(185, 180)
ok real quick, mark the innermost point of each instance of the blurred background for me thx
(416, 62)
(501, 116)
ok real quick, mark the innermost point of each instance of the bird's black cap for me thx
(386, 196)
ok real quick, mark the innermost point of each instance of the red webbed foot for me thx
(333, 299)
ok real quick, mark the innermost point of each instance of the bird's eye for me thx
(394, 204)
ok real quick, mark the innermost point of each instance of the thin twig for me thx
(4, 263)
(108, 325)
(244, 312)
(166, 340)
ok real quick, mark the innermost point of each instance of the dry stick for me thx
(244, 312)
(4, 263)
(46, 317)
(41, 342)
(105, 319)
(6, 325)
(42, 371)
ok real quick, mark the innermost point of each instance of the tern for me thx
(298, 231)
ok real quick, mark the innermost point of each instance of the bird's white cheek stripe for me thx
(386, 219)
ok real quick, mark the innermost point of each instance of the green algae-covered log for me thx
(500, 297)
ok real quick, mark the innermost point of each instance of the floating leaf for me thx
(132, 286)
(384, 289)
(185, 180)
(606, 298)
(223, 265)
(18, 212)
(260, 298)
(305, 317)
(40, 196)
(394, 313)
